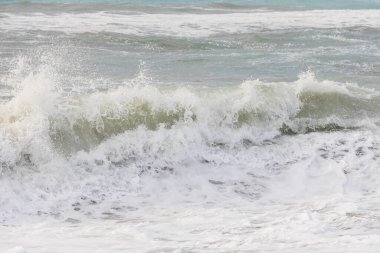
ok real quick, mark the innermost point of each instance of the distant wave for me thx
(189, 25)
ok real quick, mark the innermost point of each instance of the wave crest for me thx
(42, 114)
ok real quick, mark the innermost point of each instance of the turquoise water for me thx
(336, 4)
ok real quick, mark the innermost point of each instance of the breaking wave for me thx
(67, 148)
(43, 116)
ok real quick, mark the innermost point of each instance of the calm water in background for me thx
(189, 126)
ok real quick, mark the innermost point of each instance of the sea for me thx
(189, 126)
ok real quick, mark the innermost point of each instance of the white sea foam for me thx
(287, 195)
(49, 138)
(189, 25)
(258, 165)
(16, 250)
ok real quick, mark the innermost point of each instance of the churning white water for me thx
(195, 128)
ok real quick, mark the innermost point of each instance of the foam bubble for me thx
(16, 250)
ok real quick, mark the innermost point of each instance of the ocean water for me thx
(189, 126)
